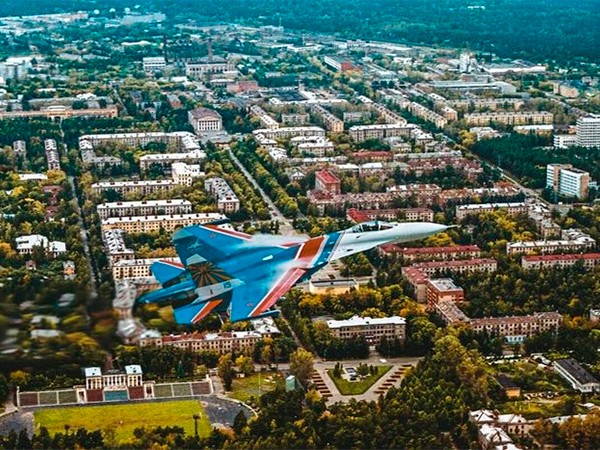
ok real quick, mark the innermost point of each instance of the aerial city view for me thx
(318, 224)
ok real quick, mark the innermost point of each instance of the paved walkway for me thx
(392, 377)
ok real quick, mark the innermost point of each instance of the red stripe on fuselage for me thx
(206, 309)
(311, 248)
(285, 284)
(173, 263)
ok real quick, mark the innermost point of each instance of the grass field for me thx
(244, 388)
(358, 387)
(125, 418)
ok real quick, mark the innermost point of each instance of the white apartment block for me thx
(154, 63)
(510, 118)
(373, 329)
(27, 244)
(295, 119)
(387, 115)
(516, 328)
(205, 120)
(166, 222)
(166, 159)
(144, 187)
(331, 122)
(588, 131)
(361, 133)
(589, 260)
(288, 132)
(426, 114)
(564, 140)
(512, 209)
(185, 174)
(573, 240)
(265, 119)
(20, 148)
(487, 103)
(208, 66)
(52, 157)
(225, 342)
(143, 208)
(566, 180)
(227, 201)
(114, 243)
(318, 148)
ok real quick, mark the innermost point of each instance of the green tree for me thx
(226, 371)
(301, 366)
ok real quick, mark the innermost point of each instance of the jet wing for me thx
(253, 299)
(217, 244)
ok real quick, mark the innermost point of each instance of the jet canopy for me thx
(373, 225)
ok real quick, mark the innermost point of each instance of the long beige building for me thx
(143, 187)
(62, 112)
(331, 122)
(144, 208)
(510, 118)
(512, 209)
(169, 222)
(221, 343)
(373, 329)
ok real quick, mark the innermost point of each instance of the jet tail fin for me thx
(165, 271)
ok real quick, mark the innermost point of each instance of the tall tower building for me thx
(588, 131)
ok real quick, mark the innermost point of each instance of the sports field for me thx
(125, 418)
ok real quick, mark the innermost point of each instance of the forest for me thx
(548, 30)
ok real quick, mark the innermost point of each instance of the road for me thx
(285, 226)
(84, 240)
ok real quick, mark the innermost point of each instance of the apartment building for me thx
(443, 289)
(339, 64)
(450, 313)
(448, 113)
(114, 243)
(488, 103)
(143, 208)
(327, 182)
(392, 215)
(578, 377)
(210, 65)
(588, 131)
(166, 222)
(185, 174)
(152, 64)
(318, 148)
(227, 201)
(205, 120)
(571, 241)
(453, 252)
(510, 118)
(265, 119)
(424, 113)
(361, 133)
(566, 180)
(132, 269)
(52, 157)
(589, 260)
(144, 187)
(295, 119)
(389, 116)
(27, 244)
(20, 148)
(512, 209)
(62, 112)
(221, 343)
(373, 329)
(456, 266)
(165, 160)
(288, 132)
(331, 122)
(515, 329)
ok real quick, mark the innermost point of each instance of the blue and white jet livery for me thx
(224, 270)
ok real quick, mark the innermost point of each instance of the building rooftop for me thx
(357, 321)
(444, 284)
(573, 368)
(561, 257)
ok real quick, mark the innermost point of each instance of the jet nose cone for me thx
(419, 230)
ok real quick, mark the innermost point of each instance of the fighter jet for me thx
(223, 270)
